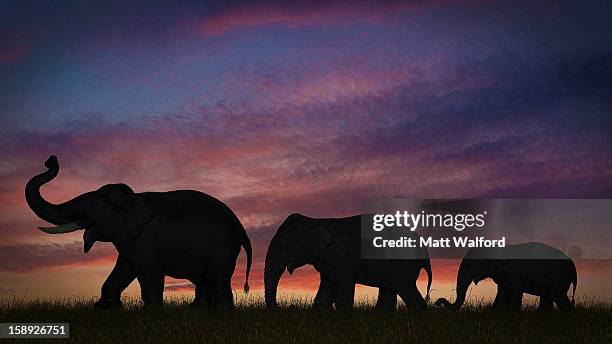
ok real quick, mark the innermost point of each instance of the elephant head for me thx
(113, 213)
(298, 241)
(473, 268)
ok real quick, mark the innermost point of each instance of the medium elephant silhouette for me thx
(532, 268)
(332, 246)
(183, 234)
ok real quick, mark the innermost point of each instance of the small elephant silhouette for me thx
(532, 268)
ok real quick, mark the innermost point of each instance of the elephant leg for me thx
(120, 278)
(508, 298)
(344, 295)
(151, 287)
(222, 297)
(202, 294)
(412, 298)
(325, 295)
(545, 304)
(387, 299)
(499, 299)
(503, 298)
(563, 301)
(516, 300)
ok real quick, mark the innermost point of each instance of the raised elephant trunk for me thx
(273, 271)
(464, 279)
(64, 215)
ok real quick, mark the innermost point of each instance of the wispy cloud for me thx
(25, 258)
(251, 15)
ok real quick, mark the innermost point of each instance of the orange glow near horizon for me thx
(85, 281)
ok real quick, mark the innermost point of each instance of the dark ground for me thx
(591, 322)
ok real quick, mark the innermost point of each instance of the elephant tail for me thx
(574, 282)
(246, 243)
(427, 267)
(243, 238)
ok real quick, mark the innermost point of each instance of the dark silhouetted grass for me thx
(591, 322)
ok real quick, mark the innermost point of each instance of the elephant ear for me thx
(117, 195)
(320, 239)
(134, 207)
(137, 214)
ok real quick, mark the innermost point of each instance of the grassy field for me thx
(591, 322)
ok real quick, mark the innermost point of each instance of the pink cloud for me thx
(178, 286)
(280, 167)
(292, 16)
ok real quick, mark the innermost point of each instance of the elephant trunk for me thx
(427, 267)
(464, 279)
(63, 214)
(274, 268)
(463, 282)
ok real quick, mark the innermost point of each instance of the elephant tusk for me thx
(65, 228)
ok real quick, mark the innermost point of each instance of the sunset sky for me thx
(278, 108)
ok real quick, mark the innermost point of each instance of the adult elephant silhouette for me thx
(183, 234)
(332, 246)
(532, 268)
